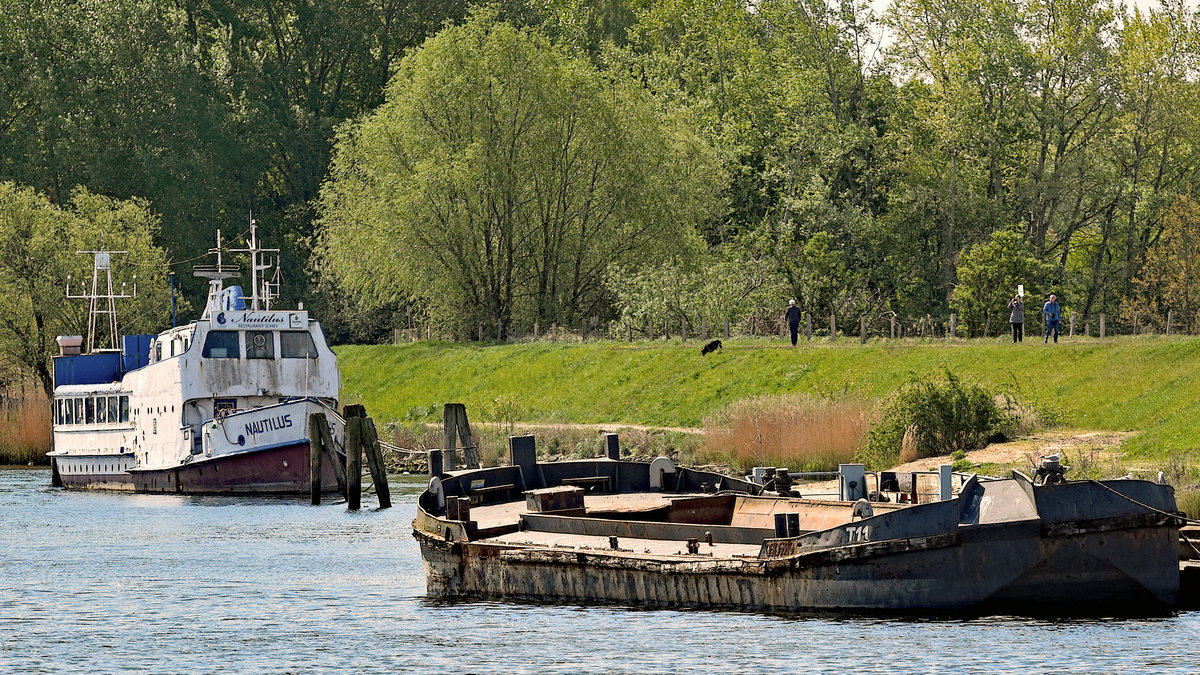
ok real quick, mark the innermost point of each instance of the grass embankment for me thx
(1149, 385)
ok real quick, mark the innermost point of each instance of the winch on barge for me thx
(218, 406)
(656, 535)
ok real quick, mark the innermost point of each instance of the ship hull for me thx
(98, 472)
(282, 470)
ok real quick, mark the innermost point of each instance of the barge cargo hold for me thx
(655, 535)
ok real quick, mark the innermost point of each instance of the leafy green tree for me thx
(502, 177)
(988, 276)
(39, 243)
(1170, 276)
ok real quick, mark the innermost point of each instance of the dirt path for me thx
(1075, 445)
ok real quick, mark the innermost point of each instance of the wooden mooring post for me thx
(370, 440)
(314, 457)
(353, 461)
(454, 427)
(321, 443)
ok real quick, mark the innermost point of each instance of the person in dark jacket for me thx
(1053, 314)
(793, 319)
(1017, 317)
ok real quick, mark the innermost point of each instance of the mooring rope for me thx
(395, 448)
(1185, 519)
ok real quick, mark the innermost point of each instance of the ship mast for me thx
(102, 262)
(258, 263)
(215, 275)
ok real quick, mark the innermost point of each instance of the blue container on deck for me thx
(87, 368)
(135, 351)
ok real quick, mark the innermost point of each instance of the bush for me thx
(932, 416)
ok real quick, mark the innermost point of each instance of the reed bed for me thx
(802, 433)
(24, 425)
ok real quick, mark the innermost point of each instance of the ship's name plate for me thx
(261, 320)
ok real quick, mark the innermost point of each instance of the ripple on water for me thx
(102, 583)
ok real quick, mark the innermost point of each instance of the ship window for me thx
(221, 344)
(157, 351)
(297, 344)
(101, 410)
(113, 409)
(78, 411)
(260, 344)
(124, 408)
(224, 404)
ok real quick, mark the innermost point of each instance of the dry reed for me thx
(24, 425)
(798, 432)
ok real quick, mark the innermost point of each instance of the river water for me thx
(106, 583)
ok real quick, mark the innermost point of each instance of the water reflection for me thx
(103, 582)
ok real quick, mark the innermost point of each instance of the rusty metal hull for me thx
(1019, 575)
(282, 470)
(1003, 547)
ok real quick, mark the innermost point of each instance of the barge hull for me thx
(1022, 575)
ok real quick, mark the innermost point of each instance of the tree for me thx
(39, 241)
(1170, 276)
(502, 177)
(988, 276)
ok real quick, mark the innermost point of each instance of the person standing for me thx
(1017, 317)
(1053, 314)
(793, 319)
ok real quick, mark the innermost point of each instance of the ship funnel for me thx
(69, 345)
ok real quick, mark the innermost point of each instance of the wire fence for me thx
(885, 326)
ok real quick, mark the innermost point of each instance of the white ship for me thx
(221, 405)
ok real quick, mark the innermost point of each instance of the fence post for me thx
(1072, 332)
(832, 326)
(629, 331)
(1168, 322)
(683, 330)
(726, 328)
(481, 332)
(783, 326)
(1102, 326)
(893, 325)
(862, 330)
(650, 330)
(667, 329)
(953, 325)
(704, 330)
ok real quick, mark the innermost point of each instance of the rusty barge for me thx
(653, 534)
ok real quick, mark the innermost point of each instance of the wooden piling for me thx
(1102, 326)
(339, 471)
(354, 434)
(449, 444)
(314, 457)
(862, 329)
(375, 463)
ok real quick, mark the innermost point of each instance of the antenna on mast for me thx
(256, 266)
(216, 274)
(102, 262)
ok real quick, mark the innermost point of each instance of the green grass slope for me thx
(1146, 384)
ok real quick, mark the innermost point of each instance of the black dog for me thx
(710, 348)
